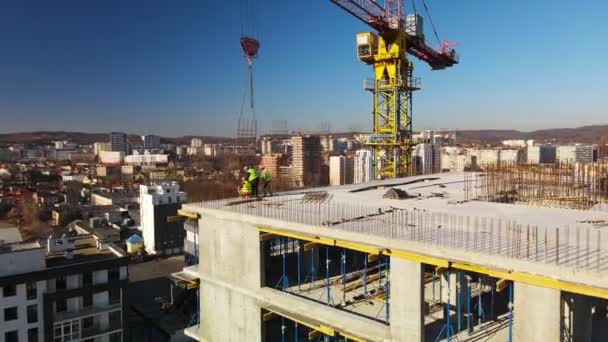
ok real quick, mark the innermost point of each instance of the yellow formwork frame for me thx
(522, 277)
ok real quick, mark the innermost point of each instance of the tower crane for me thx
(393, 82)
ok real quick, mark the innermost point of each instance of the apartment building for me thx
(69, 288)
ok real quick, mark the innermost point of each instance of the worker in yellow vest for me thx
(266, 178)
(245, 188)
(253, 177)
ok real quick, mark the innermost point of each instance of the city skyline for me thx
(177, 71)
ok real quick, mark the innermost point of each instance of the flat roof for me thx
(85, 250)
(437, 216)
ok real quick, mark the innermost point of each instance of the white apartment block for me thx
(70, 289)
(341, 170)
(578, 153)
(541, 154)
(196, 143)
(157, 203)
(146, 159)
(363, 166)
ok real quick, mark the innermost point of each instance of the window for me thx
(32, 313)
(87, 279)
(61, 305)
(87, 300)
(115, 337)
(31, 290)
(114, 294)
(32, 335)
(9, 290)
(113, 274)
(87, 322)
(60, 283)
(11, 336)
(10, 314)
(114, 317)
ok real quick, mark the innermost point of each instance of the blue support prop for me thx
(458, 299)
(386, 292)
(299, 282)
(447, 309)
(448, 326)
(283, 249)
(511, 312)
(327, 275)
(433, 281)
(469, 306)
(365, 275)
(343, 270)
(493, 289)
(295, 329)
(282, 329)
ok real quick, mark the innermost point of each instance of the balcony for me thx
(86, 312)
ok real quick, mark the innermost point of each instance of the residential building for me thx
(363, 166)
(196, 143)
(426, 158)
(541, 154)
(327, 143)
(99, 147)
(510, 156)
(111, 157)
(341, 170)
(119, 142)
(157, 203)
(306, 160)
(68, 289)
(146, 158)
(577, 153)
(150, 141)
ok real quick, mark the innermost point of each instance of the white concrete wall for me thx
(229, 267)
(537, 313)
(22, 262)
(21, 302)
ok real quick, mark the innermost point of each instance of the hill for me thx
(585, 134)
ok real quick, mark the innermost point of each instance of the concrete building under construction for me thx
(407, 259)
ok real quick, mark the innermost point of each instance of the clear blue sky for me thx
(175, 67)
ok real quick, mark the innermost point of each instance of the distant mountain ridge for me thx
(45, 137)
(583, 134)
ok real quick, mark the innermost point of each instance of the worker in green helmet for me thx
(245, 188)
(266, 178)
(253, 177)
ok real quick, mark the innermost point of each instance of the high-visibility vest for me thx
(253, 174)
(246, 187)
(266, 175)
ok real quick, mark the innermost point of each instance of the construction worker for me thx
(253, 180)
(266, 178)
(245, 188)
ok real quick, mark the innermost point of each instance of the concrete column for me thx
(536, 313)
(406, 300)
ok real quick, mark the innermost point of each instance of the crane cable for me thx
(428, 14)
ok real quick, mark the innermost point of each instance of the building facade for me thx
(306, 160)
(341, 170)
(69, 290)
(119, 142)
(150, 141)
(157, 203)
(363, 166)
